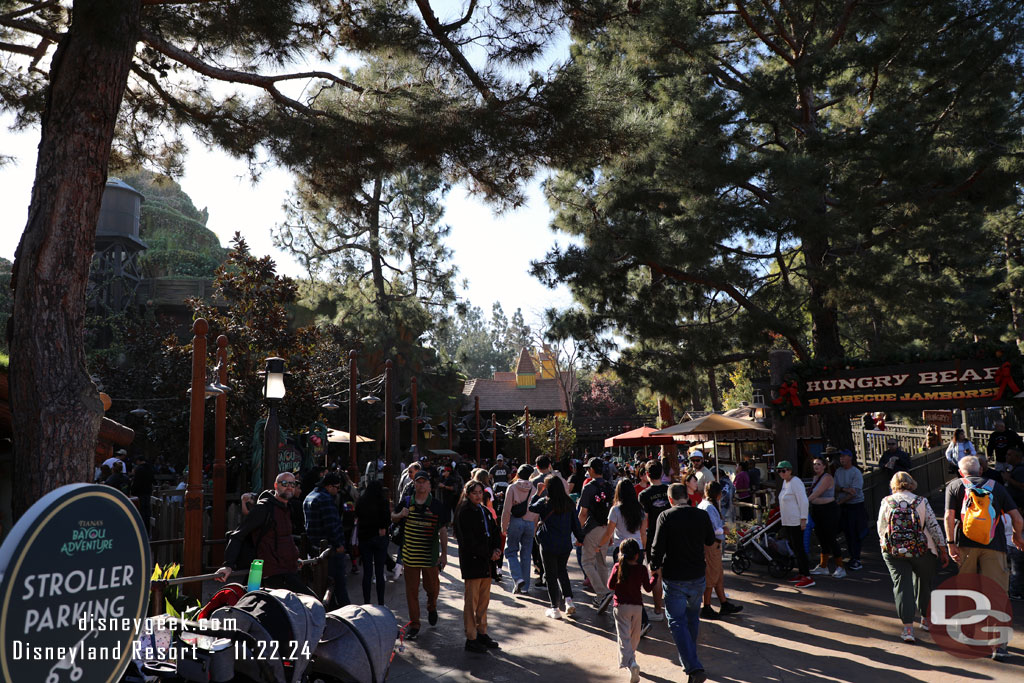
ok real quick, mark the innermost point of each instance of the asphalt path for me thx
(839, 630)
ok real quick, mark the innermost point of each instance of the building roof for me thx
(502, 395)
(525, 365)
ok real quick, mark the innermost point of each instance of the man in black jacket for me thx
(677, 556)
(269, 528)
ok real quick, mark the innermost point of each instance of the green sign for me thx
(74, 587)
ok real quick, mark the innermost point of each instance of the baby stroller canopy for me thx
(357, 644)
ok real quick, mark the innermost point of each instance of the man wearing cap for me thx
(499, 473)
(323, 523)
(704, 477)
(894, 459)
(424, 549)
(595, 504)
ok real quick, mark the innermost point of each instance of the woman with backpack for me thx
(517, 524)
(913, 544)
(556, 529)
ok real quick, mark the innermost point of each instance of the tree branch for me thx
(769, 43)
(439, 32)
(844, 22)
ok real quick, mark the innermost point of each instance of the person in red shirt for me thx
(627, 577)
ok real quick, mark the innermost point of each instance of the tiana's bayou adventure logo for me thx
(89, 537)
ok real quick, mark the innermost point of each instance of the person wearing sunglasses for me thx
(793, 510)
(266, 532)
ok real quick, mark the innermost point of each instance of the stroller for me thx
(281, 637)
(759, 546)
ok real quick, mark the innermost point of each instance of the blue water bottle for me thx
(255, 575)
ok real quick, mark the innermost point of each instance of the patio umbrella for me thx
(714, 425)
(338, 436)
(638, 437)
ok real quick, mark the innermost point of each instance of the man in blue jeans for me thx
(677, 556)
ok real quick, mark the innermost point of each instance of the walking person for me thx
(853, 516)
(626, 519)
(424, 549)
(373, 517)
(825, 514)
(793, 510)
(976, 541)
(654, 500)
(479, 546)
(912, 545)
(627, 577)
(714, 575)
(959, 447)
(556, 529)
(324, 523)
(677, 556)
(517, 523)
(595, 504)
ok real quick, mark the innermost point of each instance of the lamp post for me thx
(273, 393)
(476, 409)
(353, 375)
(526, 433)
(193, 551)
(219, 447)
(389, 422)
(415, 416)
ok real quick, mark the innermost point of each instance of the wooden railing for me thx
(870, 444)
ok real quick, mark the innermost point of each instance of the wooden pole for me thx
(353, 403)
(389, 421)
(415, 418)
(526, 433)
(476, 409)
(219, 447)
(556, 438)
(450, 442)
(193, 550)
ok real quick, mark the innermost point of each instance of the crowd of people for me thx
(663, 522)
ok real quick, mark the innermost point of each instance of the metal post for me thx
(526, 433)
(389, 422)
(271, 434)
(476, 409)
(193, 550)
(415, 418)
(353, 403)
(219, 446)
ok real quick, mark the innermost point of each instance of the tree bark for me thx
(376, 265)
(54, 402)
(1014, 262)
(716, 398)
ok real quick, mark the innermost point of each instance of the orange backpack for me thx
(978, 515)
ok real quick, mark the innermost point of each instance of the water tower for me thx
(115, 273)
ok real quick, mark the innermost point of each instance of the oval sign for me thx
(74, 587)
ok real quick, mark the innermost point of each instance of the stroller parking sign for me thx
(74, 587)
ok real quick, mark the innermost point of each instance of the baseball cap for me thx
(697, 455)
(891, 440)
(784, 465)
(421, 475)
(596, 464)
(524, 472)
(500, 456)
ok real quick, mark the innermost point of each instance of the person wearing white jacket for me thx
(793, 510)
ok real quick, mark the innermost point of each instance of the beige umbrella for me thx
(338, 436)
(714, 425)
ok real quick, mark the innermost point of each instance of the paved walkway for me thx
(840, 630)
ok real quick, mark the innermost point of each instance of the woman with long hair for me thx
(825, 515)
(692, 484)
(556, 527)
(714, 576)
(626, 519)
(958, 448)
(373, 517)
(479, 546)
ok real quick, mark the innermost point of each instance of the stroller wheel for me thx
(740, 563)
(780, 568)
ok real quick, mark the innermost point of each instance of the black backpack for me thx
(250, 542)
(602, 504)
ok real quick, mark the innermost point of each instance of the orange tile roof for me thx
(500, 395)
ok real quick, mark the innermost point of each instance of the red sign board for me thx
(943, 418)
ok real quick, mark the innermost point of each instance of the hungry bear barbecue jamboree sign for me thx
(74, 586)
(946, 384)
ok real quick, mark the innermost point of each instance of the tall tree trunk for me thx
(376, 261)
(828, 346)
(55, 405)
(1015, 281)
(716, 398)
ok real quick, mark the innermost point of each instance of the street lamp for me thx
(273, 393)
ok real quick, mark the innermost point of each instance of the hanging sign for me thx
(74, 587)
(947, 384)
